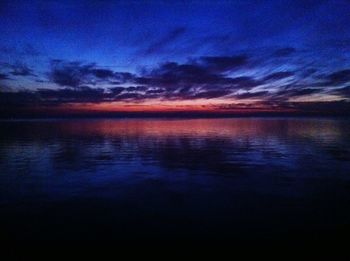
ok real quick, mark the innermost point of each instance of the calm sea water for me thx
(200, 179)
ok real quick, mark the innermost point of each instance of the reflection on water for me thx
(235, 178)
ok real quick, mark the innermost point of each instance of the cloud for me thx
(20, 69)
(293, 108)
(155, 91)
(278, 76)
(300, 92)
(91, 95)
(71, 74)
(136, 88)
(200, 77)
(284, 93)
(10, 100)
(210, 94)
(204, 72)
(282, 52)
(102, 73)
(244, 82)
(128, 96)
(224, 63)
(249, 95)
(204, 77)
(345, 92)
(50, 97)
(83, 94)
(164, 41)
(116, 90)
(338, 78)
(16, 69)
(4, 76)
(75, 74)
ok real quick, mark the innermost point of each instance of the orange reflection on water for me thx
(228, 128)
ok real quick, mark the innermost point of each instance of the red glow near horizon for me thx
(171, 106)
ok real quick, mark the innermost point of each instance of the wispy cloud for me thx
(164, 41)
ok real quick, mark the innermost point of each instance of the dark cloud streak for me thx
(164, 41)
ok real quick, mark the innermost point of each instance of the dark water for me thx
(202, 179)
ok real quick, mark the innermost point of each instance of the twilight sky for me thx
(228, 56)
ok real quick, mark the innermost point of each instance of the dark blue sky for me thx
(227, 55)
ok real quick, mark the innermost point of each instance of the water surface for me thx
(200, 179)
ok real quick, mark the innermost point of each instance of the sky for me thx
(91, 56)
